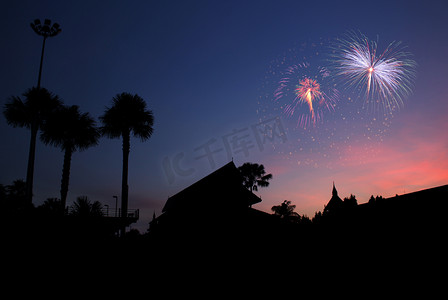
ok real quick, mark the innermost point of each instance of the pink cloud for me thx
(413, 157)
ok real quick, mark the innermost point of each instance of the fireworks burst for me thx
(383, 79)
(306, 93)
(301, 87)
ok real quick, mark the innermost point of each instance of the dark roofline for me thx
(229, 166)
(404, 197)
(192, 186)
(433, 189)
(200, 181)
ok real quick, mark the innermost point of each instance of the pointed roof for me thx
(335, 202)
(334, 193)
(222, 188)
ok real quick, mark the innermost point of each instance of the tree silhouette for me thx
(72, 131)
(84, 208)
(52, 206)
(13, 196)
(317, 217)
(30, 113)
(17, 190)
(2, 195)
(286, 211)
(350, 202)
(127, 114)
(254, 176)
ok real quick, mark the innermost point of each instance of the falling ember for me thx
(307, 91)
(370, 79)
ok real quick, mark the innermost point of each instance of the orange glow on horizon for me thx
(410, 160)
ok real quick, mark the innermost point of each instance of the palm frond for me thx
(128, 113)
(36, 107)
(254, 176)
(68, 128)
(17, 113)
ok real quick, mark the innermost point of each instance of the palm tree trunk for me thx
(124, 180)
(65, 177)
(31, 158)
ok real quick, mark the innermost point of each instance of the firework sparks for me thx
(308, 91)
(383, 79)
(301, 87)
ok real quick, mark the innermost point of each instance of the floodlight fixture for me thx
(46, 29)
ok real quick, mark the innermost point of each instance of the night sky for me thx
(208, 71)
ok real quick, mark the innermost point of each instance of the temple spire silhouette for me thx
(334, 193)
(335, 202)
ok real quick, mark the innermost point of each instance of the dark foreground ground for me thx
(398, 254)
(310, 247)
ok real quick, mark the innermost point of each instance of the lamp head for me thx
(45, 29)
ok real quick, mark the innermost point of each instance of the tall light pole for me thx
(46, 30)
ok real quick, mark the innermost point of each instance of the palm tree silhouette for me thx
(52, 206)
(286, 211)
(31, 113)
(72, 131)
(83, 207)
(254, 176)
(127, 114)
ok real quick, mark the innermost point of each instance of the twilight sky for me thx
(208, 70)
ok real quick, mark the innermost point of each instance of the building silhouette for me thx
(420, 208)
(216, 206)
(335, 204)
